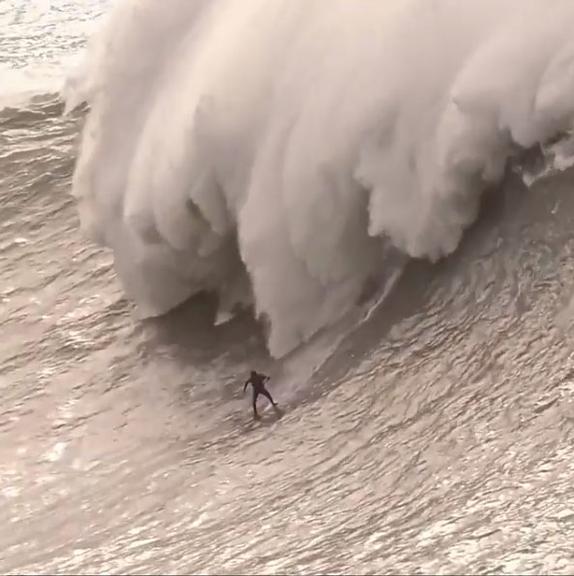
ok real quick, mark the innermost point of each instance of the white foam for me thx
(309, 133)
(19, 86)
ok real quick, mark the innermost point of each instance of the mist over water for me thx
(388, 185)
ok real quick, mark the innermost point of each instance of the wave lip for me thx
(272, 150)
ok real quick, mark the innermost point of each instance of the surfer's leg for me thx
(265, 393)
(255, 394)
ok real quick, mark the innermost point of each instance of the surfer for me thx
(257, 382)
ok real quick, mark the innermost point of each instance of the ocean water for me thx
(369, 201)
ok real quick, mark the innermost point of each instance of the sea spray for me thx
(274, 149)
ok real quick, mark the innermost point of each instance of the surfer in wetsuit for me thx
(257, 382)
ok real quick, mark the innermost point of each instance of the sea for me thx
(371, 201)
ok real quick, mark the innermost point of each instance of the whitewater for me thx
(272, 151)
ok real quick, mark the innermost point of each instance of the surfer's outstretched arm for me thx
(245, 386)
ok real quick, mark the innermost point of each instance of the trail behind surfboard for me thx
(267, 416)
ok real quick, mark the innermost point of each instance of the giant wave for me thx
(272, 150)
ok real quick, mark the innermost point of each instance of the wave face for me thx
(273, 150)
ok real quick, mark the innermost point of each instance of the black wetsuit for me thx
(257, 382)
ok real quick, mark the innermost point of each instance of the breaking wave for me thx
(274, 151)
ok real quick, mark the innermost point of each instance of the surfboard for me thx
(268, 415)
